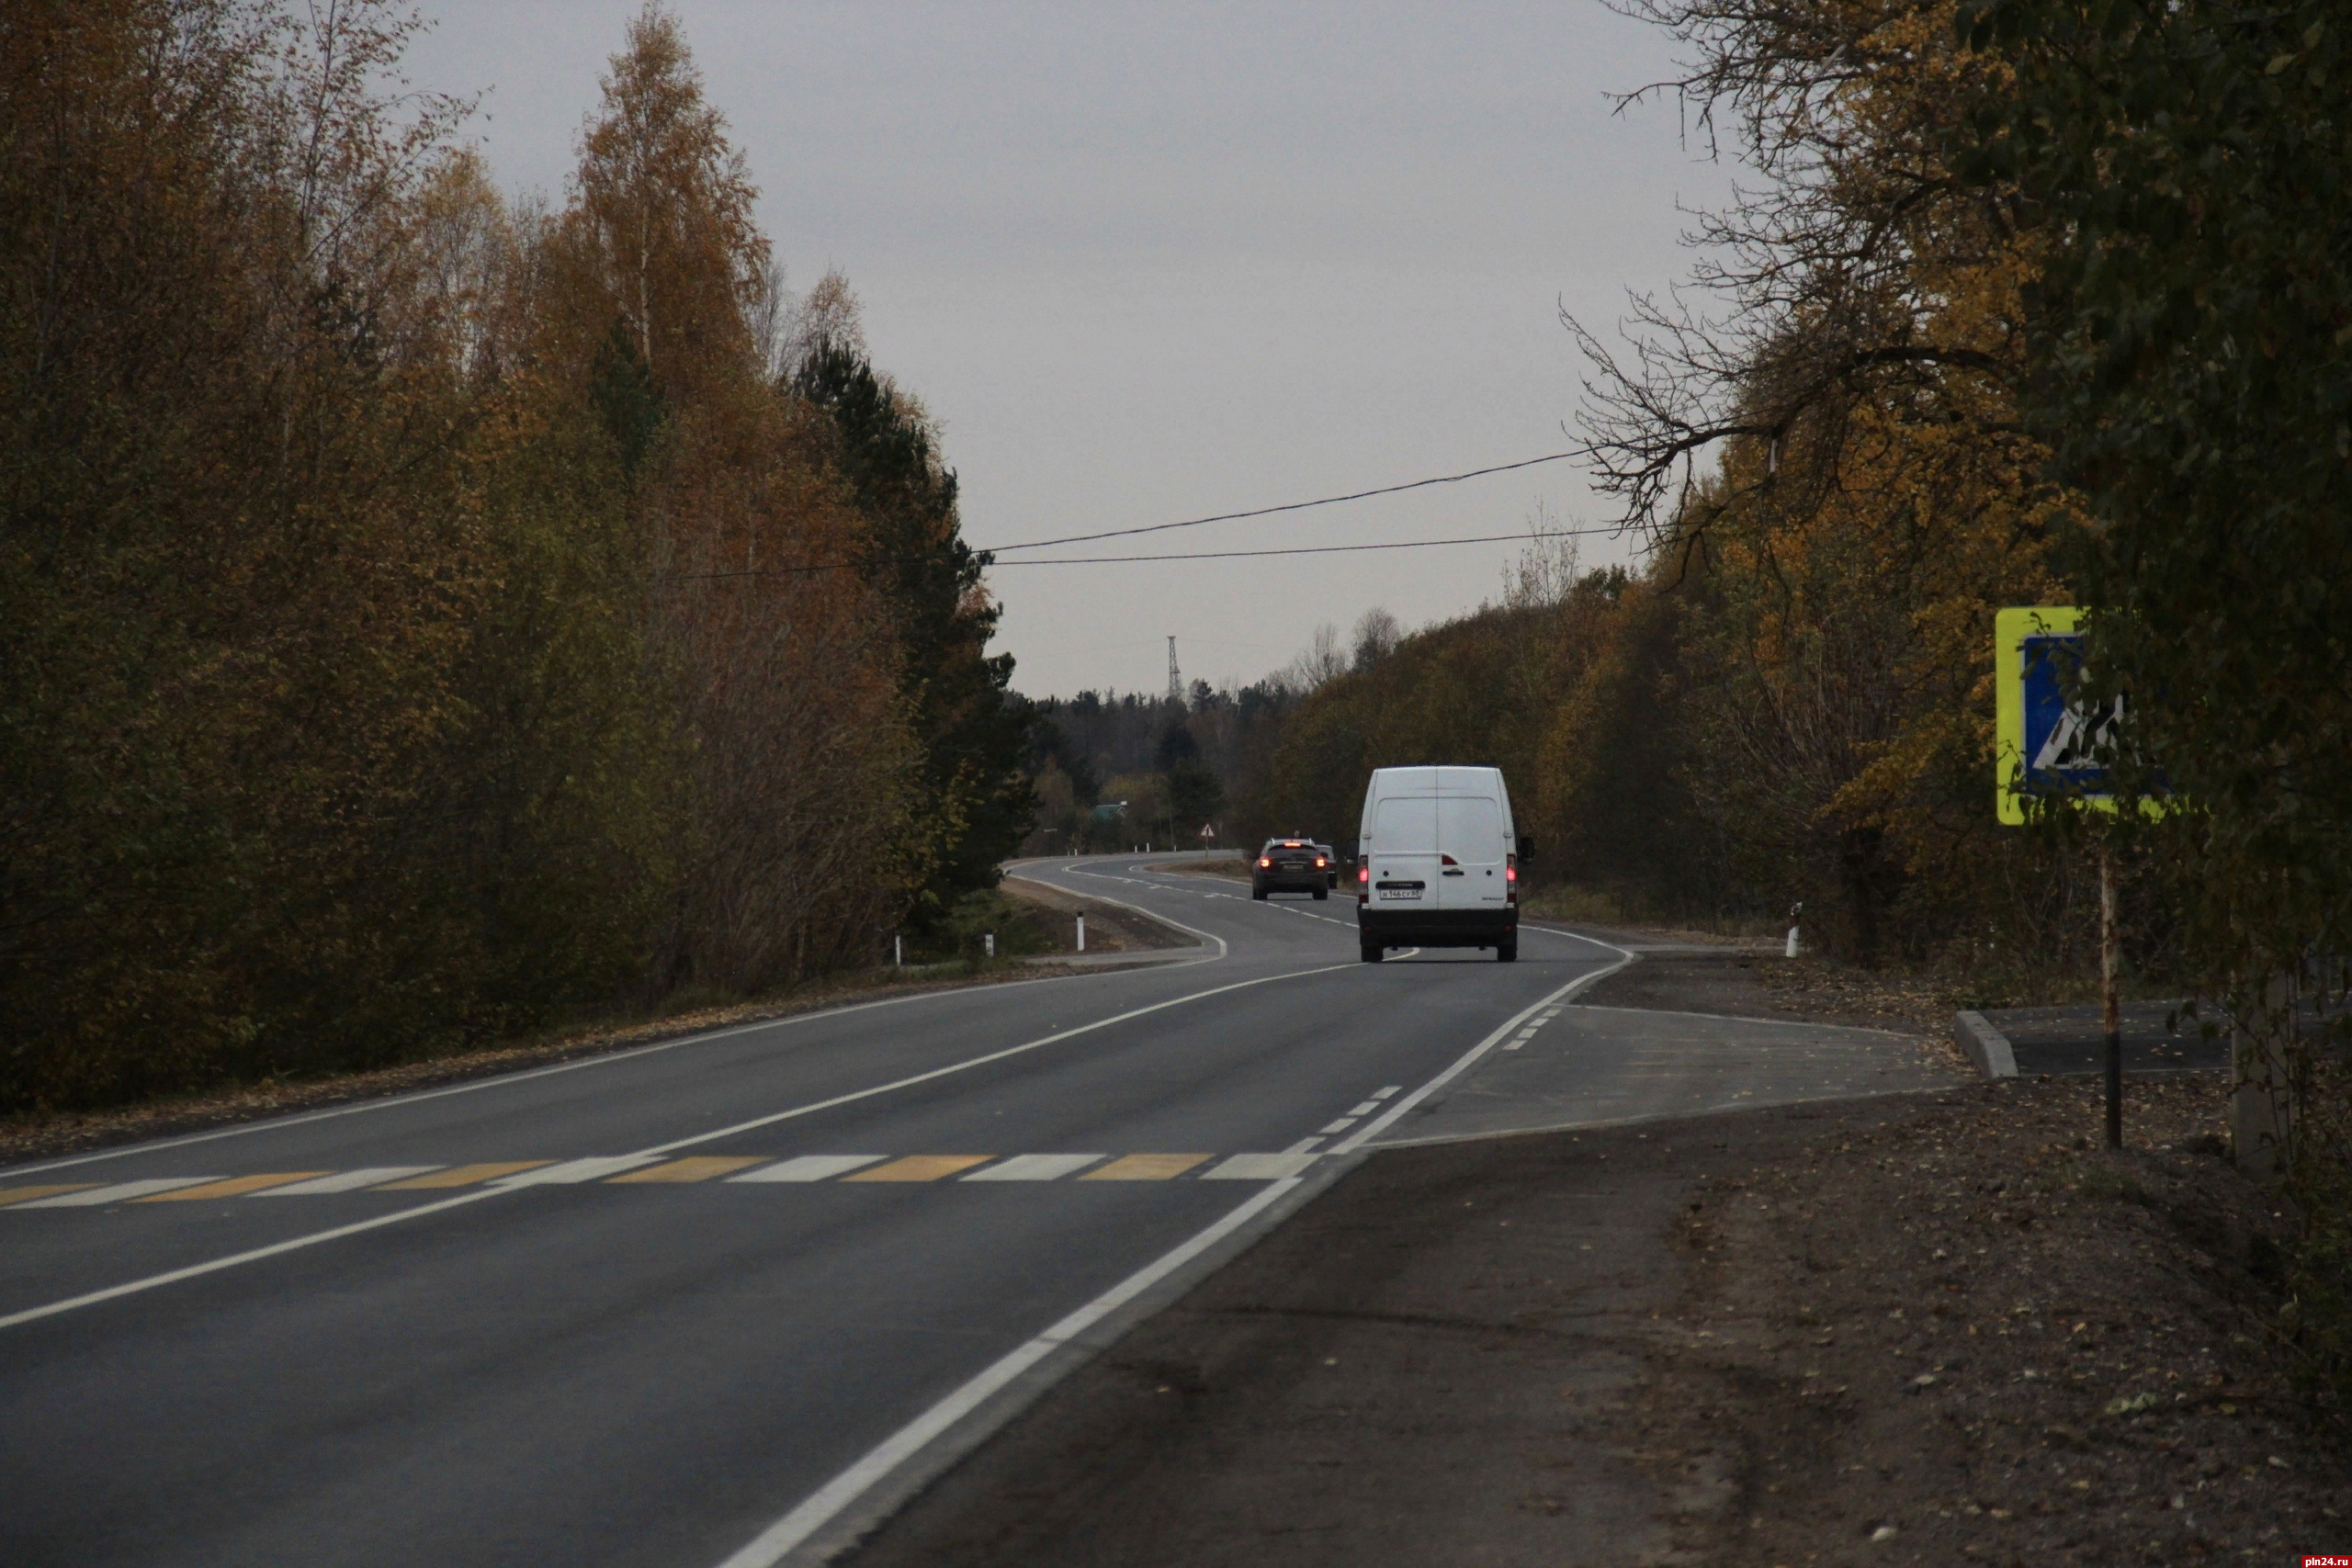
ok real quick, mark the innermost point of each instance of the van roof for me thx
(1438, 780)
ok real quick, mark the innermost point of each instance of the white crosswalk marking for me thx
(1034, 1168)
(1259, 1168)
(121, 1192)
(344, 1181)
(810, 1168)
(1288, 1162)
(573, 1171)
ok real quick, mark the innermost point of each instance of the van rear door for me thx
(1470, 844)
(1404, 854)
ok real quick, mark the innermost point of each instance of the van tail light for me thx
(1511, 878)
(1363, 883)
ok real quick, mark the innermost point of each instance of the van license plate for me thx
(1400, 892)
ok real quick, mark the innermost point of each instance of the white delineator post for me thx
(1794, 910)
(897, 951)
(989, 938)
(1081, 930)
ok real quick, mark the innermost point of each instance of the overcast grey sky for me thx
(1152, 262)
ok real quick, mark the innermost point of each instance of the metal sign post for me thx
(2111, 1012)
(2048, 746)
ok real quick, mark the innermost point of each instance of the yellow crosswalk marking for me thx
(921, 1167)
(26, 1194)
(232, 1186)
(694, 1167)
(1146, 1167)
(463, 1175)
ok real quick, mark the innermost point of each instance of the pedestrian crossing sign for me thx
(2045, 744)
(2042, 745)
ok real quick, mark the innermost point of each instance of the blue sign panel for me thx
(2061, 741)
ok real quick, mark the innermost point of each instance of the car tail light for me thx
(1320, 862)
(1266, 860)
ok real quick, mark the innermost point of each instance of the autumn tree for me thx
(911, 552)
(794, 852)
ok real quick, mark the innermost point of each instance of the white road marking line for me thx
(572, 1172)
(1222, 949)
(1385, 1093)
(1053, 1039)
(1342, 1125)
(1388, 1119)
(810, 1168)
(501, 1081)
(155, 1280)
(344, 1181)
(1366, 1108)
(773, 1543)
(121, 1192)
(1034, 1168)
(1260, 1167)
(1303, 1146)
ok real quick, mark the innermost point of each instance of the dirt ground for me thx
(1942, 1329)
(1109, 927)
(1765, 984)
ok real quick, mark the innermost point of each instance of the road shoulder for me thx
(1936, 1327)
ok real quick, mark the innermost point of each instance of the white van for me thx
(1438, 863)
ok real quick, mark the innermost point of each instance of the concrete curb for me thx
(1986, 1046)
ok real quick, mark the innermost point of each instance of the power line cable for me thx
(989, 557)
(1188, 554)
(1314, 550)
(1287, 506)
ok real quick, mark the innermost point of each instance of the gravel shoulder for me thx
(1939, 1329)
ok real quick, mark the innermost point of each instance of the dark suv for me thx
(1291, 865)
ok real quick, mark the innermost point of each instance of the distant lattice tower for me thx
(1175, 679)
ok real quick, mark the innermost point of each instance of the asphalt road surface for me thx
(722, 1300)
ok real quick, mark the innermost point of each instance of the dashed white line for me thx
(1389, 1118)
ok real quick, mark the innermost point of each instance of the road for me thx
(716, 1301)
